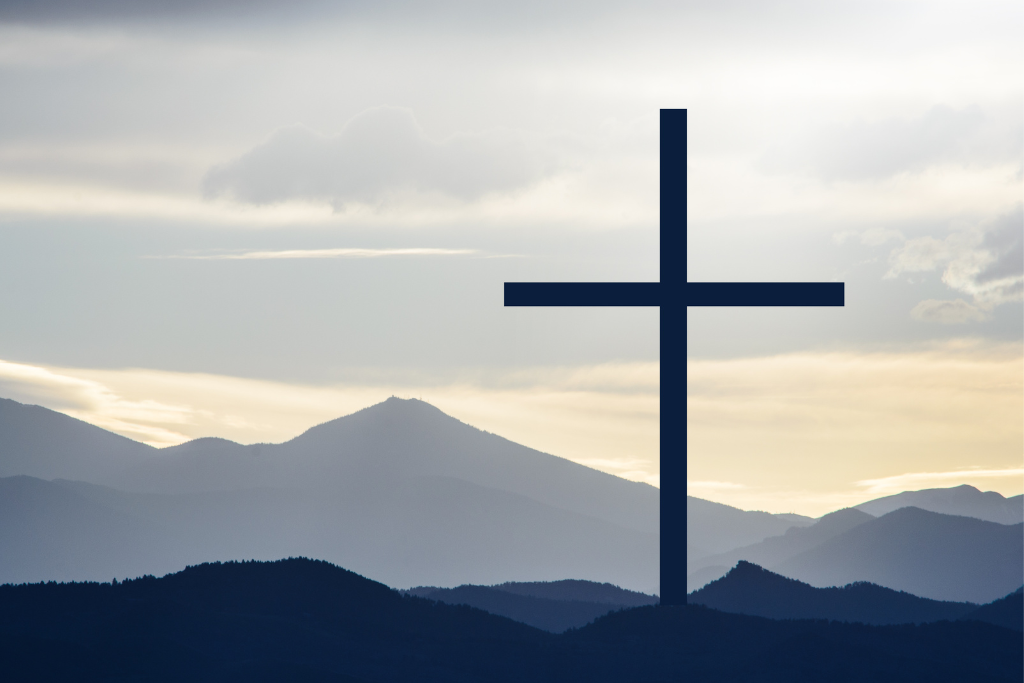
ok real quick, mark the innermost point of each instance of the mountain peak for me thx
(964, 500)
(750, 589)
(409, 411)
(202, 442)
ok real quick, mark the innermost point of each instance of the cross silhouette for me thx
(673, 294)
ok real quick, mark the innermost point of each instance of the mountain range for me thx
(399, 491)
(749, 589)
(553, 606)
(774, 549)
(931, 555)
(301, 620)
(402, 492)
(962, 501)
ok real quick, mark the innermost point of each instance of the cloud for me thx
(947, 312)
(881, 149)
(380, 156)
(153, 422)
(914, 480)
(985, 261)
(329, 253)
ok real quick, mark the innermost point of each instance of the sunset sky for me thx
(243, 219)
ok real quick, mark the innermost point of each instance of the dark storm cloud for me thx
(880, 149)
(379, 154)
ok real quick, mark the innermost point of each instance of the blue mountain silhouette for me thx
(549, 605)
(304, 620)
(750, 589)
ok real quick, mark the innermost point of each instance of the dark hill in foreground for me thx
(302, 620)
(749, 589)
(555, 616)
(1008, 611)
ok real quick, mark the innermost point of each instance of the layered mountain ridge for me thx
(411, 496)
(303, 620)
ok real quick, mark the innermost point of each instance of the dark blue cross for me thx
(673, 294)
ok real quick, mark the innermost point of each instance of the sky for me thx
(243, 219)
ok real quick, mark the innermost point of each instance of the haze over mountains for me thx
(774, 549)
(399, 491)
(410, 496)
(925, 553)
(43, 443)
(931, 555)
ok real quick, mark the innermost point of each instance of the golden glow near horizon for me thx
(816, 432)
(806, 433)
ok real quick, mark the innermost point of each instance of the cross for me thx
(673, 294)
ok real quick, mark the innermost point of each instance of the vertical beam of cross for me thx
(673, 294)
(672, 350)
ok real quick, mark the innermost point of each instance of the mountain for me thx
(776, 549)
(713, 528)
(546, 614)
(705, 575)
(309, 616)
(553, 606)
(396, 438)
(1007, 611)
(43, 443)
(398, 490)
(410, 495)
(303, 620)
(404, 530)
(749, 589)
(928, 554)
(963, 501)
(48, 532)
(572, 589)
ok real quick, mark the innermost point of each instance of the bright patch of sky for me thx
(313, 195)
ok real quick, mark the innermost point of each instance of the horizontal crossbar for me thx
(693, 294)
(582, 294)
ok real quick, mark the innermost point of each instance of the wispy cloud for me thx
(912, 480)
(346, 252)
(985, 261)
(955, 312)
(154, 422)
